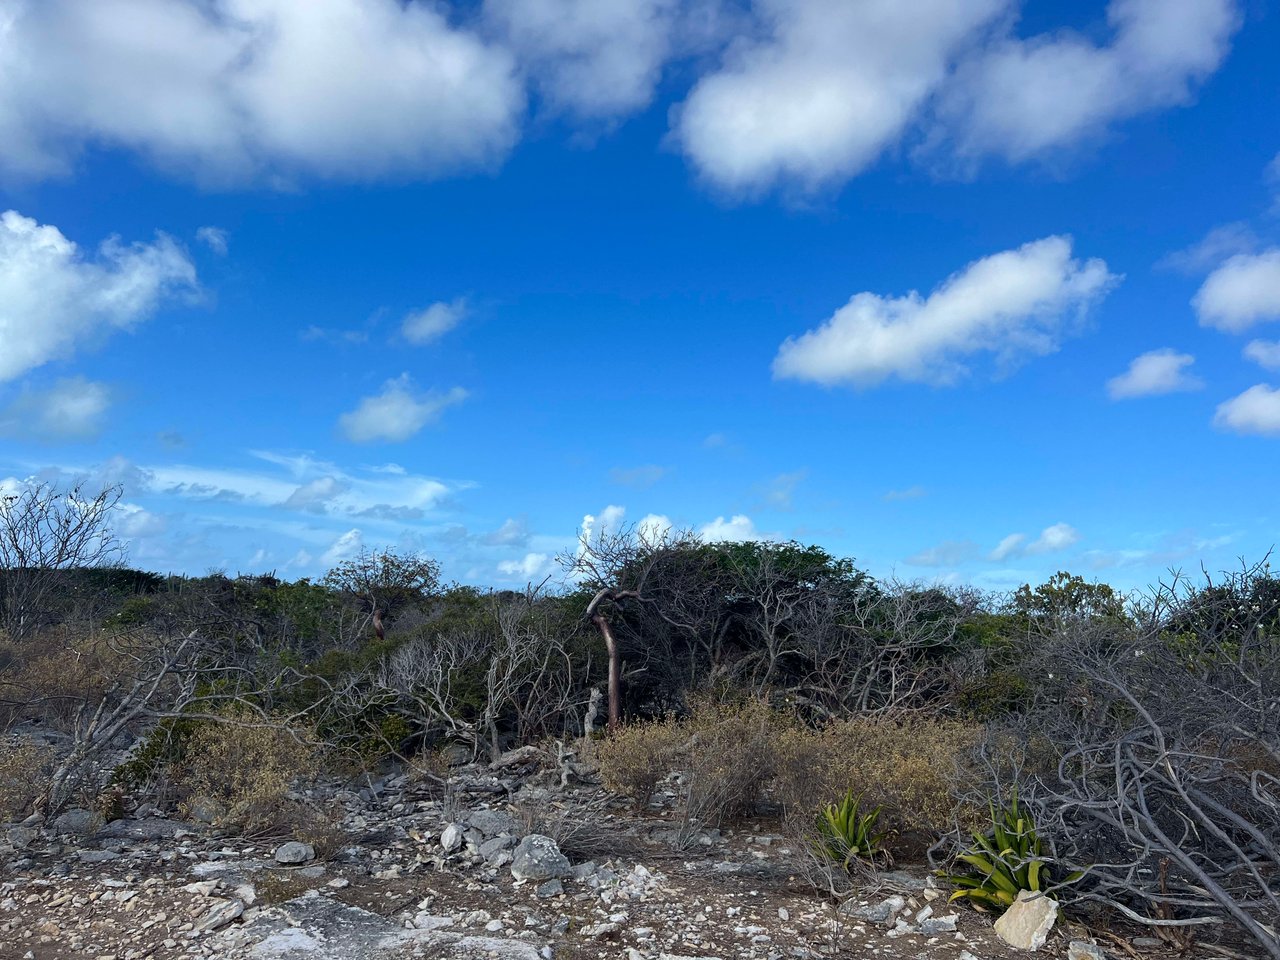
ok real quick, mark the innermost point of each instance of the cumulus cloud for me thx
(529, 567)
(1265, 353)
(597, 59)
(230, 89)
(215, 238)
(1019, 98)
(824, 92)
(397, 413)
(1010, 546)
(433, 322)
(654, 527)
(54, 299)
(1257, 410)
(73, 408)
(737, 528)
(1153, 373)
(1051, 539)
(343, 548)
(1244, 291)
(1012, 304)
(1054, 538)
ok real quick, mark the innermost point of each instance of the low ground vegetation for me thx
(1119, 753)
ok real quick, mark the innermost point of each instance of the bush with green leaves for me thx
(848, 835)
(1007, 859)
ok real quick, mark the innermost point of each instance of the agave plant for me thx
(847, 834)
(1006, 860)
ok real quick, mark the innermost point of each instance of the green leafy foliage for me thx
(1006, 860)
(847, 834)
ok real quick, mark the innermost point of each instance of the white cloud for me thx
(215, 238)
(1010, 546)
(608, 522)
(654, 527)
(1257, 410)
(527, 568)
(1217, 245)
(433, 322)
(949, 553)
(317, 494)
(1010, 304)
(830, 86)
(1243, 291)
(1054, 538)
(133, 521)
(512, 533)
(1265, 353)
(737, 528)
(1019, 98)
(229, 89)
(397, 413)
(596, 58)
(1051, 539)
(54, 299)
(1154, 372)
(343, 548)
(74, 408)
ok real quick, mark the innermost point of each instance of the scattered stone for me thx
(492, 823)
(1084, 950)
(295, 852)
(220, 915)
(451, 837)
(1027, 923)
(552, 888)
(879, 913)
(77, 822)
(538, 858)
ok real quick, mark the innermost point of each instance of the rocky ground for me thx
(409, 872)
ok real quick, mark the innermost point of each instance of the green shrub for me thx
(1007, 859)
(847, 834)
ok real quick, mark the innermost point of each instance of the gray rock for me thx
(552, 888)
(152, 828)
(97, 856)
(220, 915)
(77, 822)
(538, 858)
(876, 913)
(22, 837)
(490, 848)
(1084, 950)
(931, 926)
(1027, 923)
(295, 852)
(451, 837)
(491, 823)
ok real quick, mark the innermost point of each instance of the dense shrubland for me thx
(1122, 753)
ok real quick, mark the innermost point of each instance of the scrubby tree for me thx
(385, 582)
(46, 530)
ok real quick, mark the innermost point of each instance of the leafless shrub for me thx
(45, 530)
(1165, 783)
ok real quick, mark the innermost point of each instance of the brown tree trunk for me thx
(615, 673)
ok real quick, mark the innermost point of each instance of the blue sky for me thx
(972, 291)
